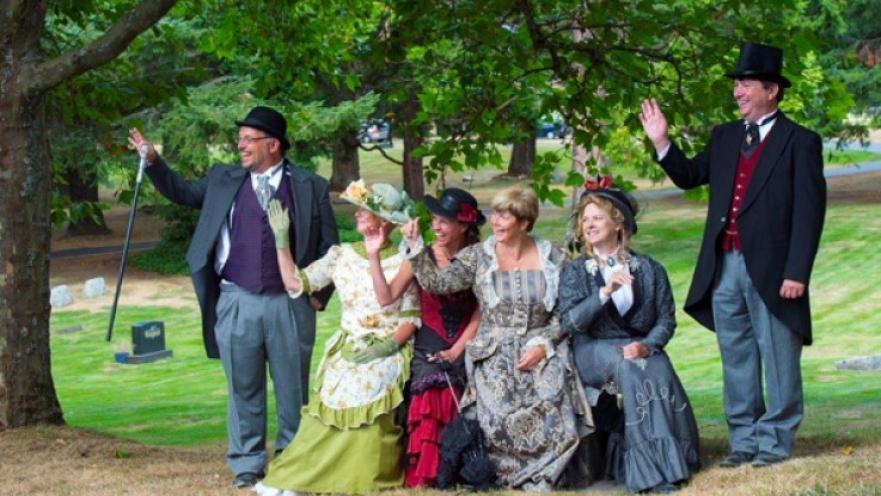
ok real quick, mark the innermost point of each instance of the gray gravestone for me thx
(94, 288)
(60, 296)
(866, 363)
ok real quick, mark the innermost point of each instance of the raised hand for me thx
(616, 280)
(136, 140)
(374, 240)
(411, 232)
(654, 123)
(280, 223)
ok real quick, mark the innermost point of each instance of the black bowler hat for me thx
(269, 121)
(764, 62)
(621, 201)
(455, 204)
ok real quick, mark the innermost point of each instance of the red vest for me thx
(745, 168)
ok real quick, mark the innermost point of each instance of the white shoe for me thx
(264, 490)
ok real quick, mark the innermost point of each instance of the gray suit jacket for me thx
(314, 232)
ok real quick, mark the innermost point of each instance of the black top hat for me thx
(621, 201)
(764, 62)
(455, 204)
(269, 121)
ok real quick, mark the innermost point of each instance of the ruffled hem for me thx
(429, 413)
(357, 416)
(652, 462)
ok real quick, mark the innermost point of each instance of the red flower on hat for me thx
(604, 182)
(467, 214)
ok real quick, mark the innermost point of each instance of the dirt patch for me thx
(63, 460)
(68, 461)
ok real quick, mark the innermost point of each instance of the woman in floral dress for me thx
(522, 385)
(449, 322)
(348, 441)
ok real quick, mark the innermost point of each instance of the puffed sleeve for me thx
(457, 276)
(318, 274)
(665, 309)
(410, 308)
(580, 304)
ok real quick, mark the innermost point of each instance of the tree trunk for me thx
(522, 158)
(413, 182)
(413, 138)
(83, 187)
(346, 166)
(27, 393)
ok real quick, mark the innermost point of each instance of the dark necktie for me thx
(751, 137)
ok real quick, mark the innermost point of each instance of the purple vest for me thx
(252, 262)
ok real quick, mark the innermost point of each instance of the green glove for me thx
(383, 348)
(280, 223)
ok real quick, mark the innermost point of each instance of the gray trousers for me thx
(752, 339)
(253, 329)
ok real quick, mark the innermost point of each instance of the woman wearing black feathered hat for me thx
(437, 371)
(617, 306)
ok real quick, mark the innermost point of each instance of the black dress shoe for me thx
(735, 459)
(763, 460)
(246, 480)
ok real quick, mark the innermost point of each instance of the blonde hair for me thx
(617, 217)
(520, 202)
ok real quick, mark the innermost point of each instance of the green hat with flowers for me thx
(382, 199)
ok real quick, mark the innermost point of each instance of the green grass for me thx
(181, 401)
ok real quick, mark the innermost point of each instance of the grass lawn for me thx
(181, 401)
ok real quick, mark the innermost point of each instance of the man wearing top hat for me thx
(764, 220)
(248, 320)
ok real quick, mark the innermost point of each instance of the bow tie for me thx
(751, 137)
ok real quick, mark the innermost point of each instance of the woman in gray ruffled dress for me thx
(618, 307)
(522, 385)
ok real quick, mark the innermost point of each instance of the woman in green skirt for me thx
(348, 441)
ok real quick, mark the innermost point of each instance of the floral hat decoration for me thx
(456, 204)
(382, 199)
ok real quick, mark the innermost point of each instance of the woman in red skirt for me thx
(437, 370)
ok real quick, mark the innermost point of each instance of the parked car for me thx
(553, 130)
(377, 131)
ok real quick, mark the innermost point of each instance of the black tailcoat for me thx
(779, 222)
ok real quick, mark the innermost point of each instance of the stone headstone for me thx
(94, 288)
(60, 296)
(865, 363)
(148, 337)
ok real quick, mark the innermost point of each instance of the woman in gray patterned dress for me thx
(618, 306)
(522, 385)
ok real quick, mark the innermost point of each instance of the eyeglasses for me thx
(250, 139)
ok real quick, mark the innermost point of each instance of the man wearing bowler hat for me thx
(764, 220)
(248, 320)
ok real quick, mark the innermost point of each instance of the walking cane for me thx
(128, 236)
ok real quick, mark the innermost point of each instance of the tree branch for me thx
(381, 152)
(100, 51)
